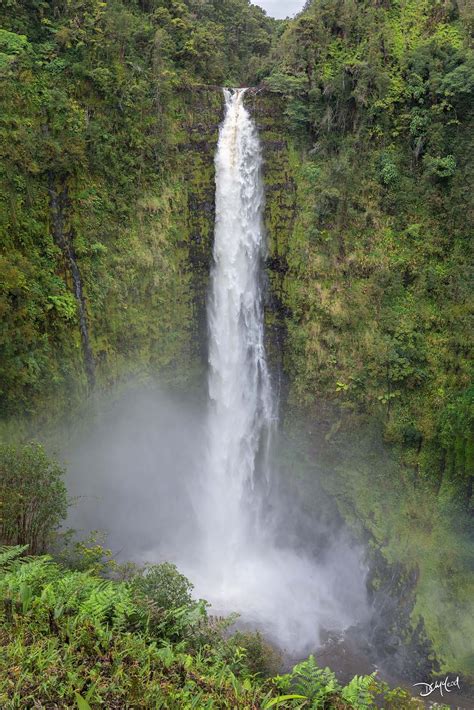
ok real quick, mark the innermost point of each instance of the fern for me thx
(67, 592)
(314, 681)
(34, 573)
(360, 692)
(108, 605)
(9, 553)
(309, 680)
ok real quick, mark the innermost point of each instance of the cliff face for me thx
(267, 110)
(200, 114)
(106, 271)
(340, 303)
(106, 212)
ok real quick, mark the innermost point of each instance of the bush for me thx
(165, 586)
(440, 167)
(33, 498)
(165, 593)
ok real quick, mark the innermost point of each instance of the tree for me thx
(33, 498)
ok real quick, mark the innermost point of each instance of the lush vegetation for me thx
(380, 259)
(73, 639)
(33, 496)
(375, 280)
(94, 238)
(107, 133)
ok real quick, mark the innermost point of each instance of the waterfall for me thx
(241, 403)
(238, 565)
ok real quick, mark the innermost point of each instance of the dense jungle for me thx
(109, 124)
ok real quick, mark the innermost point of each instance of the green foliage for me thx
(166, 594)
(285, 84)
(440, 167)
(318, 685)
(82, 704)
(91, 554)
(281, 700)
(256, 656)
(455, 439)
(388, 170)
(72, 639)
(95, 191)
(32, 494)
(11, 43)
(360, 691)
(165, 586)
(8, 553)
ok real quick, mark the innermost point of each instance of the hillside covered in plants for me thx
(375, 282)
(94, 192)
(108, 130)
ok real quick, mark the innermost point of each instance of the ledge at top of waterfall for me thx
(238, 565)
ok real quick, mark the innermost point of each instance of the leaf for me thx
(81, 703)
(9, 553)
(281, 699)
(166, 656)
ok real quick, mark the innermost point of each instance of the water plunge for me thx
(241, 403)
(239, 566)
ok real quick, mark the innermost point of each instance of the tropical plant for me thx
(32, 495)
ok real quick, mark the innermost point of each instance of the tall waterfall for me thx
(238, 565)
(241, 402)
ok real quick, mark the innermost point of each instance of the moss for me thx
(143, 255)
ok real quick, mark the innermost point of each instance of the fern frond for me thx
(34, 572)
(8, 553)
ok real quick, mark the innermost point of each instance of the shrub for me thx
(166, 595)
(33, 498)
(389, 173)
(440, 167)
(165, 586)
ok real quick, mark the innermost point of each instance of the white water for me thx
(241, 403)
(239, 568)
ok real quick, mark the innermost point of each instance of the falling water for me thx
(241, 409)
(239, 566)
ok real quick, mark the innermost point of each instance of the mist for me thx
(137, 476)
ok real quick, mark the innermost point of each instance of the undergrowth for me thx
(74, 639)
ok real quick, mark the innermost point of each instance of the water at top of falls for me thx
(238, 565)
